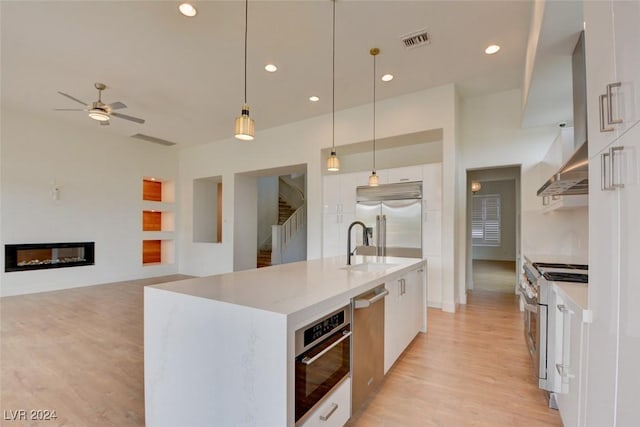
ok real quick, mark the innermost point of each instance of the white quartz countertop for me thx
(576, 292)
(290, 288)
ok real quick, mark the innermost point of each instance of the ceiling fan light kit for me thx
(100, 111)
(98, 114)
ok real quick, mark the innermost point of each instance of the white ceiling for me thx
(185, 75)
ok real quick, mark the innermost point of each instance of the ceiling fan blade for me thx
(69, 109)
(104, 123)
(124, 116)
(117, 105)
(71, 97)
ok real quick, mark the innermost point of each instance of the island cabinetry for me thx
(335, 411)
(404, 314)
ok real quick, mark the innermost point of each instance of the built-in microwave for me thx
(323, 359)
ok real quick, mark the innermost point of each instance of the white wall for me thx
(205, 209)
(100, 180)
(492, 136)
(301, 143)
(245, 224)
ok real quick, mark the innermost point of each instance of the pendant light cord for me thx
(246, 26)
(333, 83)
(374, 113)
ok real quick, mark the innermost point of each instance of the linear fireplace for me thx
(38, 256)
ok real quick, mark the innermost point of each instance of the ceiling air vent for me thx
(153, 139)
(419, 38)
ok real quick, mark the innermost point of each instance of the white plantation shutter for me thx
(485, 220)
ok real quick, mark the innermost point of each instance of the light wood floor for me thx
(80, 352)
(471, 369)
(499, 276)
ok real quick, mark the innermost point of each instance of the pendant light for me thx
(373, 178)
(333, 164)
(245, 126)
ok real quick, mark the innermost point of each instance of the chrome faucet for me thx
(365, 238)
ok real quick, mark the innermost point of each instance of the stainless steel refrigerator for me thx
(393, 213)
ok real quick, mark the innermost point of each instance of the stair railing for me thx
(282, 235)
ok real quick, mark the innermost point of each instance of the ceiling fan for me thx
(98, 110)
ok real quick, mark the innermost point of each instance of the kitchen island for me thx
(219, 350)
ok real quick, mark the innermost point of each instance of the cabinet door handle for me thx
(563, 309)
(601, 108)
(610, 119)
(613, 151)
(605, 170)
(332, 409)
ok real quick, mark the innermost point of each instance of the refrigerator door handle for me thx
(378, 235)
(383, 235)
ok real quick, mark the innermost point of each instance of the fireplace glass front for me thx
(37, 256)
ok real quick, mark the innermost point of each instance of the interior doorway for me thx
(493, 229)
(257, 200)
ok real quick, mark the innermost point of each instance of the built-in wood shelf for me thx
(158, 221)
(151, 221)
(151, 190)
(151, 251)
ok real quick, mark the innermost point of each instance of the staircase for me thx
(284, 212)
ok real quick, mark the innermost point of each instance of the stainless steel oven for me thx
(535, 321)
(539, 320)
(323, 359)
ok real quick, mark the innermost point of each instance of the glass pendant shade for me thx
(333, 164)
(373, 179)
(245, 127)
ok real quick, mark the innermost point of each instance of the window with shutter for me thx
(485, 220)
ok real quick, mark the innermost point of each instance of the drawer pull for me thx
(332, 409)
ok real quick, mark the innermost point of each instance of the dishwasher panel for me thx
(367, 345)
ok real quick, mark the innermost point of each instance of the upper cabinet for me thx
(612, 37)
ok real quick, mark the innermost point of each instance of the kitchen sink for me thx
(369, 267)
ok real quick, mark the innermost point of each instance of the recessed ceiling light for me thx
(387, 77)
(314, 98)
(490, 50)
(187, 10)
(271, 68)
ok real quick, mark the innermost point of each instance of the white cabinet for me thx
(612, 37)
(628, 163)
(572, 333)
(339, 204)
(404, 314)
(626, 98)
(432, 186)
(614, 250)
(335, 410)
(404, 174)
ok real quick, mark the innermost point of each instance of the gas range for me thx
(556, 272)
(540, 316)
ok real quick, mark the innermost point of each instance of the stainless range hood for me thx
(572, 178)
